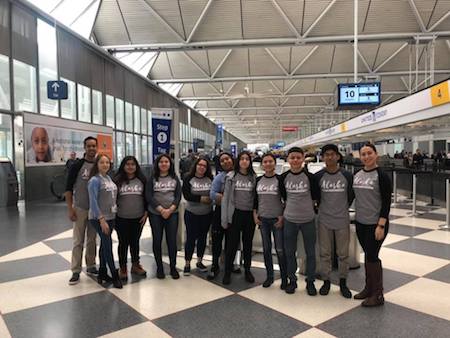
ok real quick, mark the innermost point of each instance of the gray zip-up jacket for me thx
(228, 201)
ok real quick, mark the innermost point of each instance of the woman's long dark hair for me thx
(122, 177)
(94, 170)
(250, 169)
(157, 171)
(193, 170)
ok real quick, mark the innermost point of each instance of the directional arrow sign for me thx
(57, 90)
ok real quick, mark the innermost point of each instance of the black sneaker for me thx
(213, 273)
(345, 291)
(310, 288)
(75, 278)
(92, 271)
(187, 270)
(325, 289)
(284, 283)
(268, 282)
(160, 274)
(290, 288)
(226, 278)
(201, 267)
(249, 276)
(236, 269)
(174, 273)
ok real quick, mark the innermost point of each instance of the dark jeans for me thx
(242, 222)
(170, 225)
(197, 227)
(129, 232)
(290, 245)
(217, 235)
(267, 228)
(366, 237)
(105, 252)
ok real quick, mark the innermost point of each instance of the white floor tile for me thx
(30, 292)
(4, 332)
(419, 222)
(67, 255)
(314, 333)
(441, 211)
(436, 236)
(410, 263)
(423, 295)
(62, 235)
(310, 310)
(38, 249)
(146, 329)
(155, 298)
(399, 212)
(146, 231)
(393, 238)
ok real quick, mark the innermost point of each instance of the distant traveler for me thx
(77, 199)
(373, 191)
(198, 214)
(237, 214)
(299, 216)
(163, 195)
(335, 195)
(71, 161)
(216, 195)
(131, 214)
(268, 215)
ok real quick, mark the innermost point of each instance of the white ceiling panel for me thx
(109, 28)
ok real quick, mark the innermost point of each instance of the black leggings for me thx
(170, 226)
(217, 235)
(197, 227)
(129, 232)
(366, 236)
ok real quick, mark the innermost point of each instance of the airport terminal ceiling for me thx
(260, 65)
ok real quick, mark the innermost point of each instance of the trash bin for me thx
(9, 187)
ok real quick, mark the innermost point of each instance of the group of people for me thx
(232, 204)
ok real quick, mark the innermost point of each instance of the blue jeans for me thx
(197, 227)
(105, 252)
(267, 228)
(170, 225)
(290, 245)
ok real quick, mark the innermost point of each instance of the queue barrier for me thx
(447, 205)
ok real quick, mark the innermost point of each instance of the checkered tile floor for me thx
(36, 300)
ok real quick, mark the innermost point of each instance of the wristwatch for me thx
(381, 226)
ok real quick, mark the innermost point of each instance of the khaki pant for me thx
(326, 242)
(81, 227)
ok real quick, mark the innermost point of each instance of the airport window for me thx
(150, 150)
(144, 150)
(5, 136)
(137, 119)
(69, 107)
(128, 116)
(120, 146)
(129, 150)
(46, 36)
(138, 147)
(109, 111)
(84, 103)
(150, 126)
(97, 107)
(24, 87)
(144, 121)
(119, 114)
(4, 83)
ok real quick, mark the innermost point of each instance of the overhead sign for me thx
(234, 149)
(359, 94)
(161, 124)
(57, 90)
(440, 94)
(290, 128)
(219, 134)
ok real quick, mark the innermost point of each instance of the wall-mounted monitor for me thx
(359, 95)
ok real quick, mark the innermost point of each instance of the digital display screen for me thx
(359, 94)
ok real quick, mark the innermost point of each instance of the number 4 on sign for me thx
(440, 94)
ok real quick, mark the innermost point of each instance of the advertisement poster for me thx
(161, 124)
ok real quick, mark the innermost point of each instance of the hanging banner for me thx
(219, 134)
(161, 124)
(234, 150)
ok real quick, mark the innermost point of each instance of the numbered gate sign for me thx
(57, 90)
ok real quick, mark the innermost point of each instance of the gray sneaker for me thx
(92, 271)
(75, 278)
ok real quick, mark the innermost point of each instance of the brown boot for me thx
(366, 291)
(137, 269)
(123, 273)
(376, 277)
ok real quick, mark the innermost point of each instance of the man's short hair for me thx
(88, 139)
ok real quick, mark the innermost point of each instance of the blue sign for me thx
(219, 134)
(57, 90)
(234, 151)
(161, 124)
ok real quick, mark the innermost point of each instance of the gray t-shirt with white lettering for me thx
(367, 196)
(299, 205)
(80, 189)
(199, 187)
(269, 197)
(333, 208)
(164, 191)
(130, 200)
(243, 192)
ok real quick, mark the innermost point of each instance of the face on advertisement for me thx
(39, 141)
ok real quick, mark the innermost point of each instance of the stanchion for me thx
(394, 179)
(414, 212)
(447, 203)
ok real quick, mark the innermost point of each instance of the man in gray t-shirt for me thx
(77, 199)
(335, 194)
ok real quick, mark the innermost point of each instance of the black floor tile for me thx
(406, 230)
(389, 320)
(422, 247)
(442, 274)
(86, 316)
(233, 316)
(434, 216)
(60, 245)
(422, 208)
